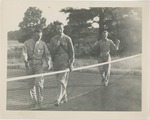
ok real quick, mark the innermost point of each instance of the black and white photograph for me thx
(74, 57)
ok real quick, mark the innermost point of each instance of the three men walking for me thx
(62, 55)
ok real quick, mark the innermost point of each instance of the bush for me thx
(14, 52)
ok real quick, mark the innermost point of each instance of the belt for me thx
(33, 59)
(104, 53)
(60, 54)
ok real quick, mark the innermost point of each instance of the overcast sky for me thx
(14, 11)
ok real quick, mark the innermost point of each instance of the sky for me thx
(14, 11)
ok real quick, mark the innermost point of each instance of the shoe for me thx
(102, 84)
(106, 83)
(64, 100)
(57, 103)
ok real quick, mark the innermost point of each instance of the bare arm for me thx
(47, 56)
(25, 56)
(94, 47)
(114, 46)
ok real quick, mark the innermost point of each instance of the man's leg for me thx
(101, 71)
(62, 81)
(60, 89)
(39, 84)
(107, 72)
(32, 89)
(64, 98)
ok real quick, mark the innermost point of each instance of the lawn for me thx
(15, 60)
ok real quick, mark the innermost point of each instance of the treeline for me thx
(85, 27)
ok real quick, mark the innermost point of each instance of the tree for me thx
(114, 20)
(77, 24)
(50, 31)
(13, 35)
(32, 20)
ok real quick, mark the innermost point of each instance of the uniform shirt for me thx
(65, 47)
(104, 47)
(35, 50)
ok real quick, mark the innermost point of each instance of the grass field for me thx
(15, 60)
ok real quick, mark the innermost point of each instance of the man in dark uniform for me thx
(34, 51)
(62, 53)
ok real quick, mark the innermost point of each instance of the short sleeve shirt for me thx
(36, 50)
(104, 46)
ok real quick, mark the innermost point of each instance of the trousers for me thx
(35, 84)
(105, 69)
(62, 81)
(61, 62)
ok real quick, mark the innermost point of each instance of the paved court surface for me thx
(84, 92)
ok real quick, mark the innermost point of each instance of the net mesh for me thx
(81, 81)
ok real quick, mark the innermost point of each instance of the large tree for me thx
(49, 31)
(106, 18)
(32, 20)
(115, 20)
(77, 24)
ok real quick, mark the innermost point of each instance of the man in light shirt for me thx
(34, 51)
(62, 53)
(103, 47)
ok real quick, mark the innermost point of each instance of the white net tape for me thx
(67, 70)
